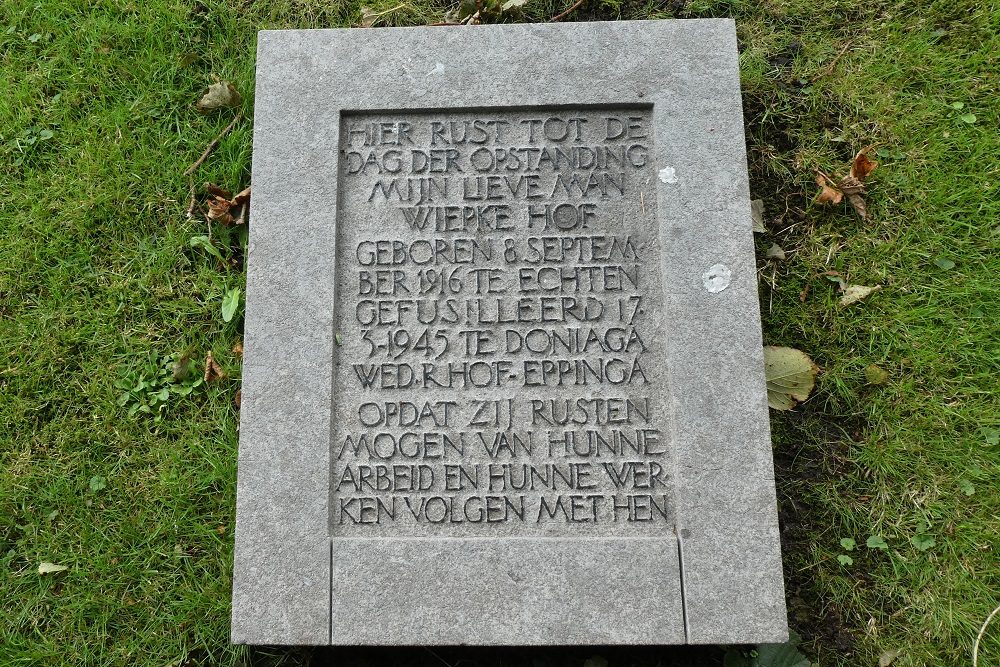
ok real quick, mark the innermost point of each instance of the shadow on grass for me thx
(468, 656)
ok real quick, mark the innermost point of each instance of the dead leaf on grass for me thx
(888, 657)
(226, 209)
(853, 185)
(241, 198)
(241, 204)
(219, 95)
(213, 371)
(854, 189)
(238, 348)
(776, 252)
(218, 211)
(790, 375)
(215, 191)
(238, 398)
(51, 568)
(757, 215)
(855, 293)
(368, 17)
(862, 166)
(827, 194)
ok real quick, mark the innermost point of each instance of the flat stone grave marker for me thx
(503, 379)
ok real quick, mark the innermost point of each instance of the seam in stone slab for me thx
(680, 580)
(329, 616)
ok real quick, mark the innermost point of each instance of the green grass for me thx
(97, 277)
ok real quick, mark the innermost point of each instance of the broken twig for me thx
(833, 63)
(212, 146)
(193, 204)
(561, 16)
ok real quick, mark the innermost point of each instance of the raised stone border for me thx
(292, 583)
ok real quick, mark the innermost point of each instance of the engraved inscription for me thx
(500, 361)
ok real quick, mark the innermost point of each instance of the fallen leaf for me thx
(238, 348)
(368, 17)
(242, 197)
(969, 118)
(827, 194)
(241, 204)
(218, 210)
(886, 658)
(790, 375)
(757, 215)
(238, 398)
(775, 252)
(862, 166)
(513, 4)
(944, 263)
(49, 568)
(854, 188)
(215, 191)
(876, 374)
(213, 371)
(219, 95)
(855, 293)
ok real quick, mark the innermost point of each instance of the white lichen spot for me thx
(717, 278)
(668, 175)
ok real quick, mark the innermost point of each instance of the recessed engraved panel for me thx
(499, 368)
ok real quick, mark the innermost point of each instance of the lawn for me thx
(888, 476)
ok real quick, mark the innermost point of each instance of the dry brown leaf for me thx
(215, 191)
(862, 166)
(238, 348)
(213, 371)
(242, 197)
(219, 95)
(218, 211)
(827, 194)
(854, 188)
(238, 398)
(241, 204)
(855, 293)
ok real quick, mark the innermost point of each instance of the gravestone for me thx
(503, 379)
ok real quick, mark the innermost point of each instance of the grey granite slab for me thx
(466, 590)
(410, 467)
